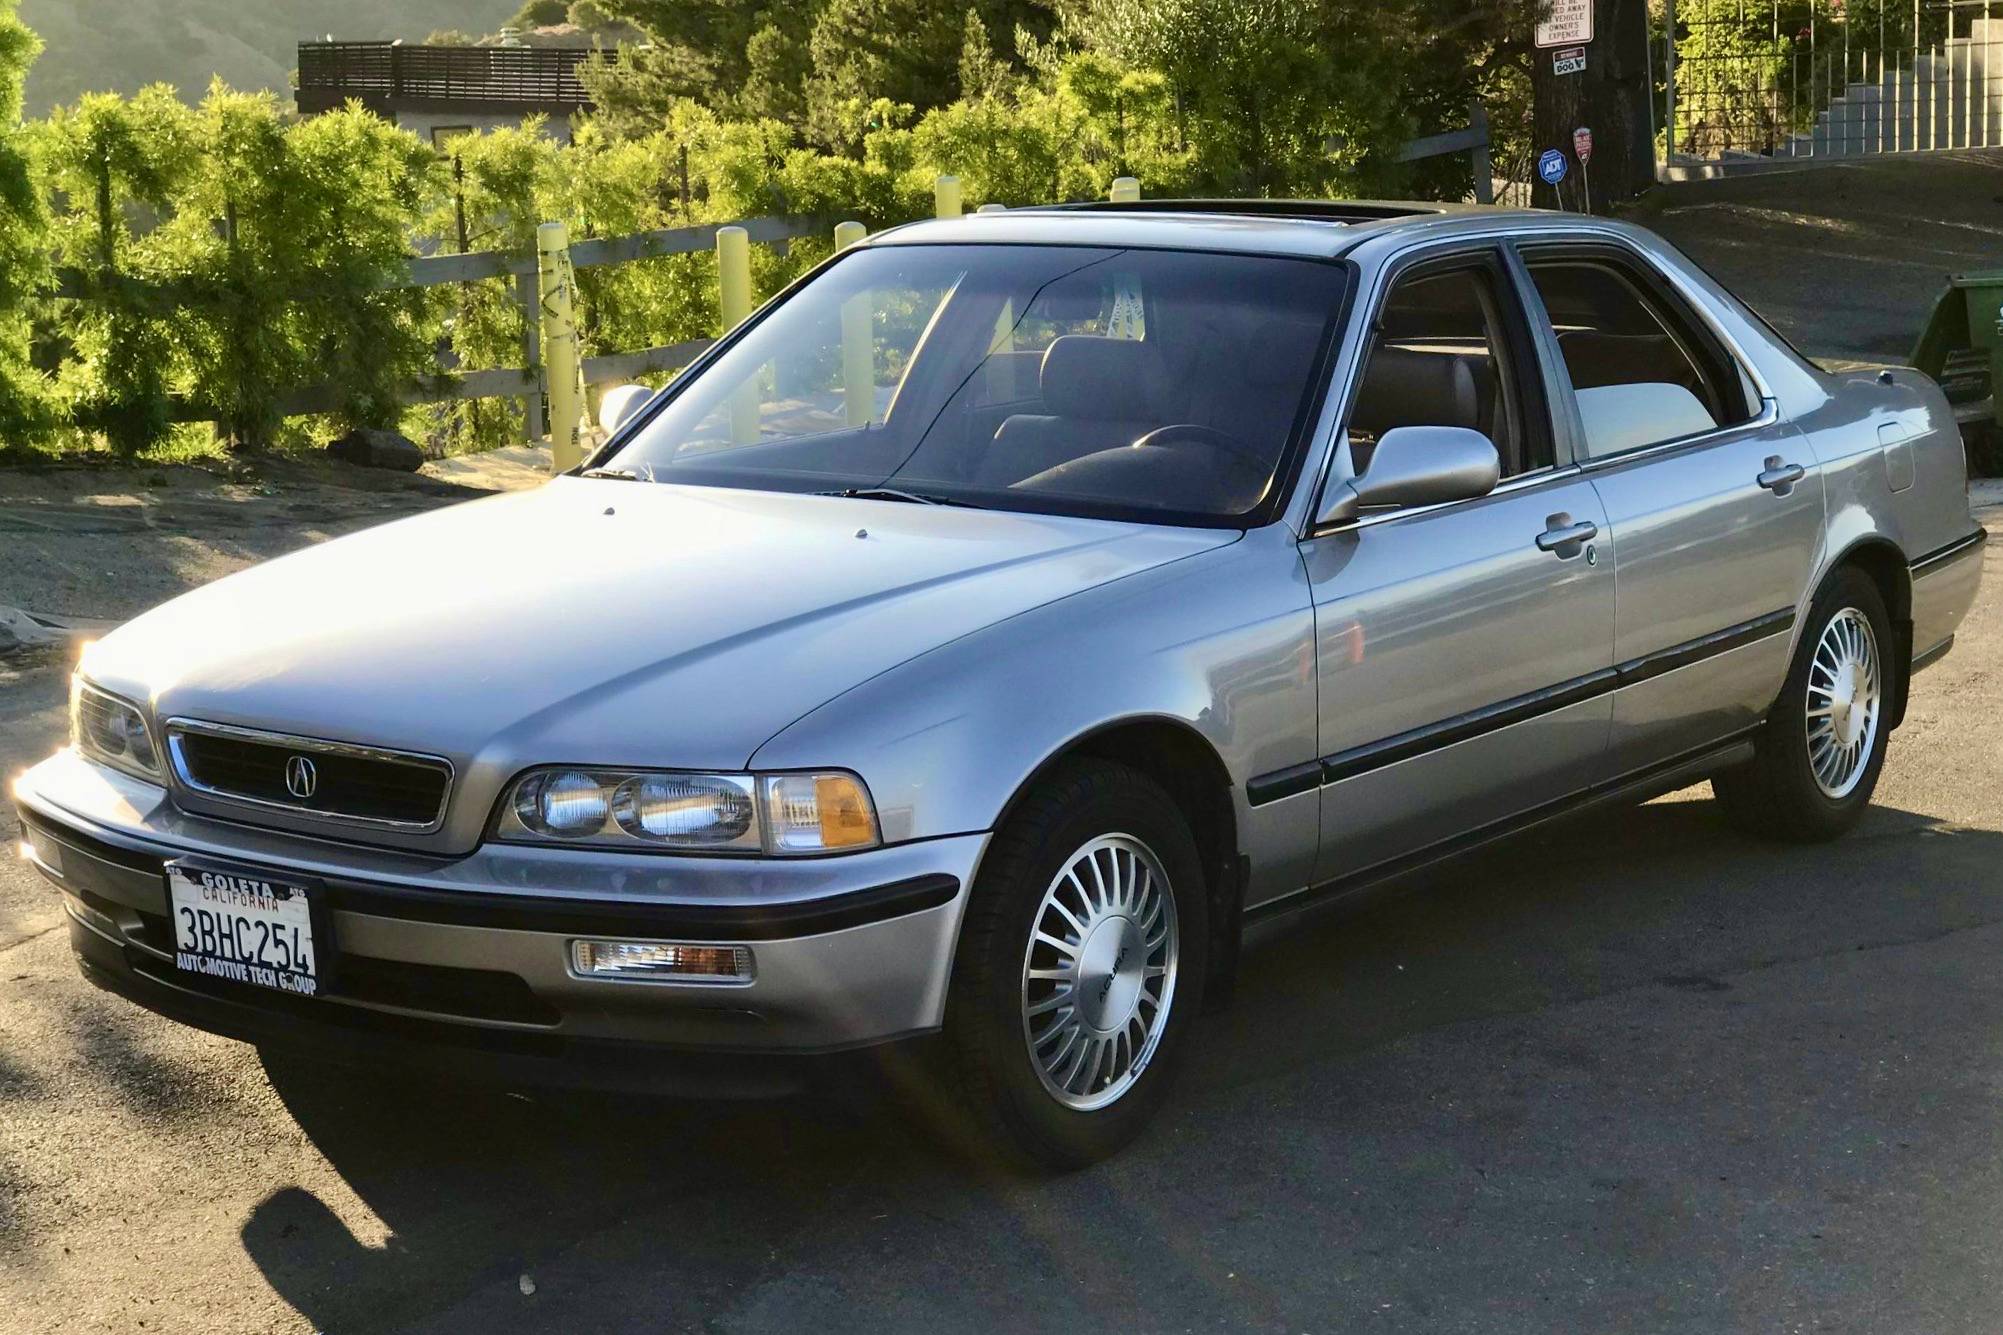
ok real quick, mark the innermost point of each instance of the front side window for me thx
(1441, 357)
(1166, 386)
(1642, 371)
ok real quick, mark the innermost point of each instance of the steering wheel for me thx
(1189, 433)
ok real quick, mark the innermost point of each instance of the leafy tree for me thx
(107, 163)
(23, 263)
(701, 47)
(540, 14)
(775, 84)
(283, 248)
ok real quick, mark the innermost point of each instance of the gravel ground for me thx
(109, 542)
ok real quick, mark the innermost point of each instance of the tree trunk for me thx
(1611, 98)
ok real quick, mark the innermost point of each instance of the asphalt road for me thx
(1844, 258)
(1640, 1073)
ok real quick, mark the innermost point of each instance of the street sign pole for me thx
(1582, 148)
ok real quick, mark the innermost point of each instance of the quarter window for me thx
(1642, 369)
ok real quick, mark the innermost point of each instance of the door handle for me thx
(1779, 478)
(1566, 537)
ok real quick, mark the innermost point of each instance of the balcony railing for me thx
(391, 76)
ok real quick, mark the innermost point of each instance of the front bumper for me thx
(465, 962)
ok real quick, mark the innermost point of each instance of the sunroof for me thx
(1321, 210)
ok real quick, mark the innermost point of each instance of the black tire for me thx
(1005, 1100)
(1777, 795)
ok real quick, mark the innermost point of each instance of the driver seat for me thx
(1098, 394)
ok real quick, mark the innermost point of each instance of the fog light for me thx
(44, 855)
(661, 961)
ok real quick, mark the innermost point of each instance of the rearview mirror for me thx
(1417, 465)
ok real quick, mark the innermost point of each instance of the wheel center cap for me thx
(1110, 964)
(1846, 713)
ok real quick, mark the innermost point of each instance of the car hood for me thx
(605, 622)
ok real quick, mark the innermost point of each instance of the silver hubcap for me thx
(1098, 977)
(1843, 696)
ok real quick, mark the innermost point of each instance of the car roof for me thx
(1312, 229)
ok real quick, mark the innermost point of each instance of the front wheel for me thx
(1081, 965)
(1817, 761)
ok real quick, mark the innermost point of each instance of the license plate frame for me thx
(291, 908)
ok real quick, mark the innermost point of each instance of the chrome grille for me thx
(334, 781)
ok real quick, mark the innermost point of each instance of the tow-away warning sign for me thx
(1570, 24)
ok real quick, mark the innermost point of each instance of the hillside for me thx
(122, 45)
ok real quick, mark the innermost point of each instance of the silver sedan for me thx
(968, 653)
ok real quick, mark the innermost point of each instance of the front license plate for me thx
(244, 926)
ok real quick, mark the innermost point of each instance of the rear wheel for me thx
(1080, 967)
(1818, 758)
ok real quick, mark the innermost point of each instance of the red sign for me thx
(1582, 145)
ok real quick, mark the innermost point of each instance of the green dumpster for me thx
(1962, 346)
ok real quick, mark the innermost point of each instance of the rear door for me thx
(1464, 650)
(1715, 504)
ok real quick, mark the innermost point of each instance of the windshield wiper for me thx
(893, 494)
(645, 473)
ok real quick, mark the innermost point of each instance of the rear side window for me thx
(1642, 367)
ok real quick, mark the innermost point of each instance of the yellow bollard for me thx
(733, 297)
(733, 275)
(858, 342)
(1126, 190)
(946, 196)
(559, 340)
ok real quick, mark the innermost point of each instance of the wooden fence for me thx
(509, 382)
(525, 381)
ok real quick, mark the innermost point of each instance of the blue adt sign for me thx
(1552, 166)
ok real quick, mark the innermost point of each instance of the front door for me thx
(1464, 650)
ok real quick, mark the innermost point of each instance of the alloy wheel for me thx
(1844, 699)
(1098, 974)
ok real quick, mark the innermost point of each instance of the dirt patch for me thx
(104, 541)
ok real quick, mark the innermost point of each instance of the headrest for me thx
(1405, 388)
(1107, 379)
(1618, 418)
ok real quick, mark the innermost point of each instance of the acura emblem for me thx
(302, 777)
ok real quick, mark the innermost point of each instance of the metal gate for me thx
(1795, 79)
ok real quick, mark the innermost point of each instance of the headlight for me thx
(725, 813)
(111, 731)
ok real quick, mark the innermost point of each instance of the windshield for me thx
(1141, 384)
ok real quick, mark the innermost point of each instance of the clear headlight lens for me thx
(111, 731)
(743, 813)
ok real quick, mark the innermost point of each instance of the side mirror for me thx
(617, 405)
(1417, 465)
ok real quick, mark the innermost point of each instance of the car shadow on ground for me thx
(646, 1213)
